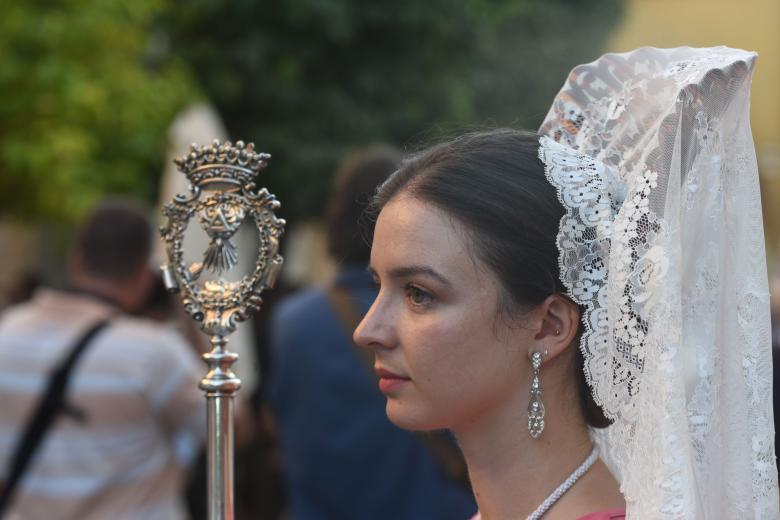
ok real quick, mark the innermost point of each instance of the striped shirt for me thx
(136, 384)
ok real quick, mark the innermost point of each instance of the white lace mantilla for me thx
(662, 244)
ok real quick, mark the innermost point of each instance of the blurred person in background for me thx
(114, 445)
(24, 287)
(774, 299)
(343, 458)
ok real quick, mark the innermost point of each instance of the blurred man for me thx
(344, 459)
(110, 451)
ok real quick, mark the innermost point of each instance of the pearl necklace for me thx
(565, 486)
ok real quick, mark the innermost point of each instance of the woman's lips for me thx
(389, 381)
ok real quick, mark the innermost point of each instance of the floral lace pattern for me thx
(592, 195)
(662, 243)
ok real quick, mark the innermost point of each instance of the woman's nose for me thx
(375, 329)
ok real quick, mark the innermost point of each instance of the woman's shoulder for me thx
(612, 514)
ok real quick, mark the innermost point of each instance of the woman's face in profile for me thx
(445, 358)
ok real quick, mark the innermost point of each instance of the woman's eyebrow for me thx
(412, 270)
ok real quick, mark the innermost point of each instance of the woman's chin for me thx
(414, 420)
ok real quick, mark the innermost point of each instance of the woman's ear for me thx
(558, 322)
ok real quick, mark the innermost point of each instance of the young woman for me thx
(532, 291)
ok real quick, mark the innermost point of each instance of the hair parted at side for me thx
(115, 240)
(352, 190)
(494, 184)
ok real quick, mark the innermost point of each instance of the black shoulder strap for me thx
(440, 444)
(49, 406)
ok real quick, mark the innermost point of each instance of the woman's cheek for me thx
(446, 352)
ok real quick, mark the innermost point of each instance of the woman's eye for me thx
(417, 296)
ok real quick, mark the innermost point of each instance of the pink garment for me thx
(612, 514)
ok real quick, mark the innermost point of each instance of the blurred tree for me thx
(87, 95)
(307, 79)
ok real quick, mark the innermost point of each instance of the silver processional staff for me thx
(222, 195)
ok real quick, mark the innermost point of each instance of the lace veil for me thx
(662, 243)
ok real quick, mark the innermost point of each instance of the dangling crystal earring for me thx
(535, 407)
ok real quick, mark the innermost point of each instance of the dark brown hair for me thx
(115, 240)
(494, 184)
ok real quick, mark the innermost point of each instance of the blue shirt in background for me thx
(343, 458)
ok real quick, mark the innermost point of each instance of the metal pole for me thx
(222, 195)
(220, 385)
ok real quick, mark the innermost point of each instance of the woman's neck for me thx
(512, 473)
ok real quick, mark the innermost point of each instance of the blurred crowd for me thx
(102, 415)
(103, 418)
(100, 411)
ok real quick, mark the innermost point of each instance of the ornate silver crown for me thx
(222, 196)
(221, 164)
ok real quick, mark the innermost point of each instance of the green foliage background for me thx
(85, 102)
(89, 87)
(307, 80)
